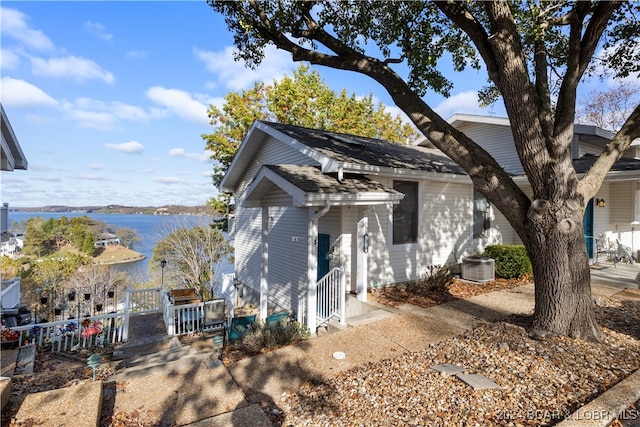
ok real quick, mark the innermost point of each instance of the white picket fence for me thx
(89, 332)
(72, 334)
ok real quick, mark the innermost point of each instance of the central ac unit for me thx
(478, 269)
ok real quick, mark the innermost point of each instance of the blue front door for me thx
(587, 225)
(323, 255)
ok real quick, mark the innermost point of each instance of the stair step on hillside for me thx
(161, 362)
(74, 406)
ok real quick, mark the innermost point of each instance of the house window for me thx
(405, 214)
(481, 218)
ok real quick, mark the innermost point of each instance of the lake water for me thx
(149, 228)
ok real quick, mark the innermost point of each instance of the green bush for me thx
(273, 336)
(511, 261)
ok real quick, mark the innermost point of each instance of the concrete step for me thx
(334, 326)
(163, 363)
(369, 317)
(151, 345)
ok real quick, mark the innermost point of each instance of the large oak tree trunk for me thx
(563, 301)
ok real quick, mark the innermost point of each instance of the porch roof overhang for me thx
(12, 156)
(306, 186)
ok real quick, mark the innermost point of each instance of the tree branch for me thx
(520, 96)
(580, 51)
(592, 180)
(461, 16)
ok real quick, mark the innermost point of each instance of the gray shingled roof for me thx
(369, 151)
(311, 180)
(583, 164)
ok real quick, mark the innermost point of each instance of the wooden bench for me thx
(183, 296)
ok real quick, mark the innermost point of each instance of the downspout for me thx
(321, 212)
(312, 266)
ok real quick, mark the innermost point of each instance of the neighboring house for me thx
(617, 215)
(106, 239)
(11, 158)
(308, 201)
(11, 247)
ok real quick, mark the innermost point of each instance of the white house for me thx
(106, 239)
(309, 201)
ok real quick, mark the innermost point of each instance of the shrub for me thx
(435, 277)
(511, 261)
(273, 336)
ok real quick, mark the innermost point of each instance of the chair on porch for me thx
(214, 315)
(240, 326)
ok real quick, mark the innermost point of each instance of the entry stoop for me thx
(358, 313)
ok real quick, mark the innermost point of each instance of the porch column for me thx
(312, 271)
(362, 256)
(264, 276)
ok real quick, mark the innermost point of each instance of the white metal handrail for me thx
(330, 293)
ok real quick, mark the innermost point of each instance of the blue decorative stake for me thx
(94, 361)
(218, 341)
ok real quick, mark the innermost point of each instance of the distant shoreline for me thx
(118, 209)
(125, 261)
(117, 254)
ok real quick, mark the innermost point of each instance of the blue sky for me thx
(108, 99)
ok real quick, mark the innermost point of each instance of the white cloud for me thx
(21, 94)
(132, 147)
(10, 59)
(94, 178)
(96, 166)
(129, 112)
(72, 67)
(464, 102)
(135, 54)
(179, 103)
(169, 180)
(99, 30)
(604, 64)
(236, 76)
(180, 152)
(14, 24)
(91, 119)
(91, 113)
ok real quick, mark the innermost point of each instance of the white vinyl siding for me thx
(287, 255)
(272, 152)
(248, 246)
(287, 241)
(621, 202)
(498, 141)
(444, 234)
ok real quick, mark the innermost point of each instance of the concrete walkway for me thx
(193, 390)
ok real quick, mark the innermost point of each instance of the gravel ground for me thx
(541, 381)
